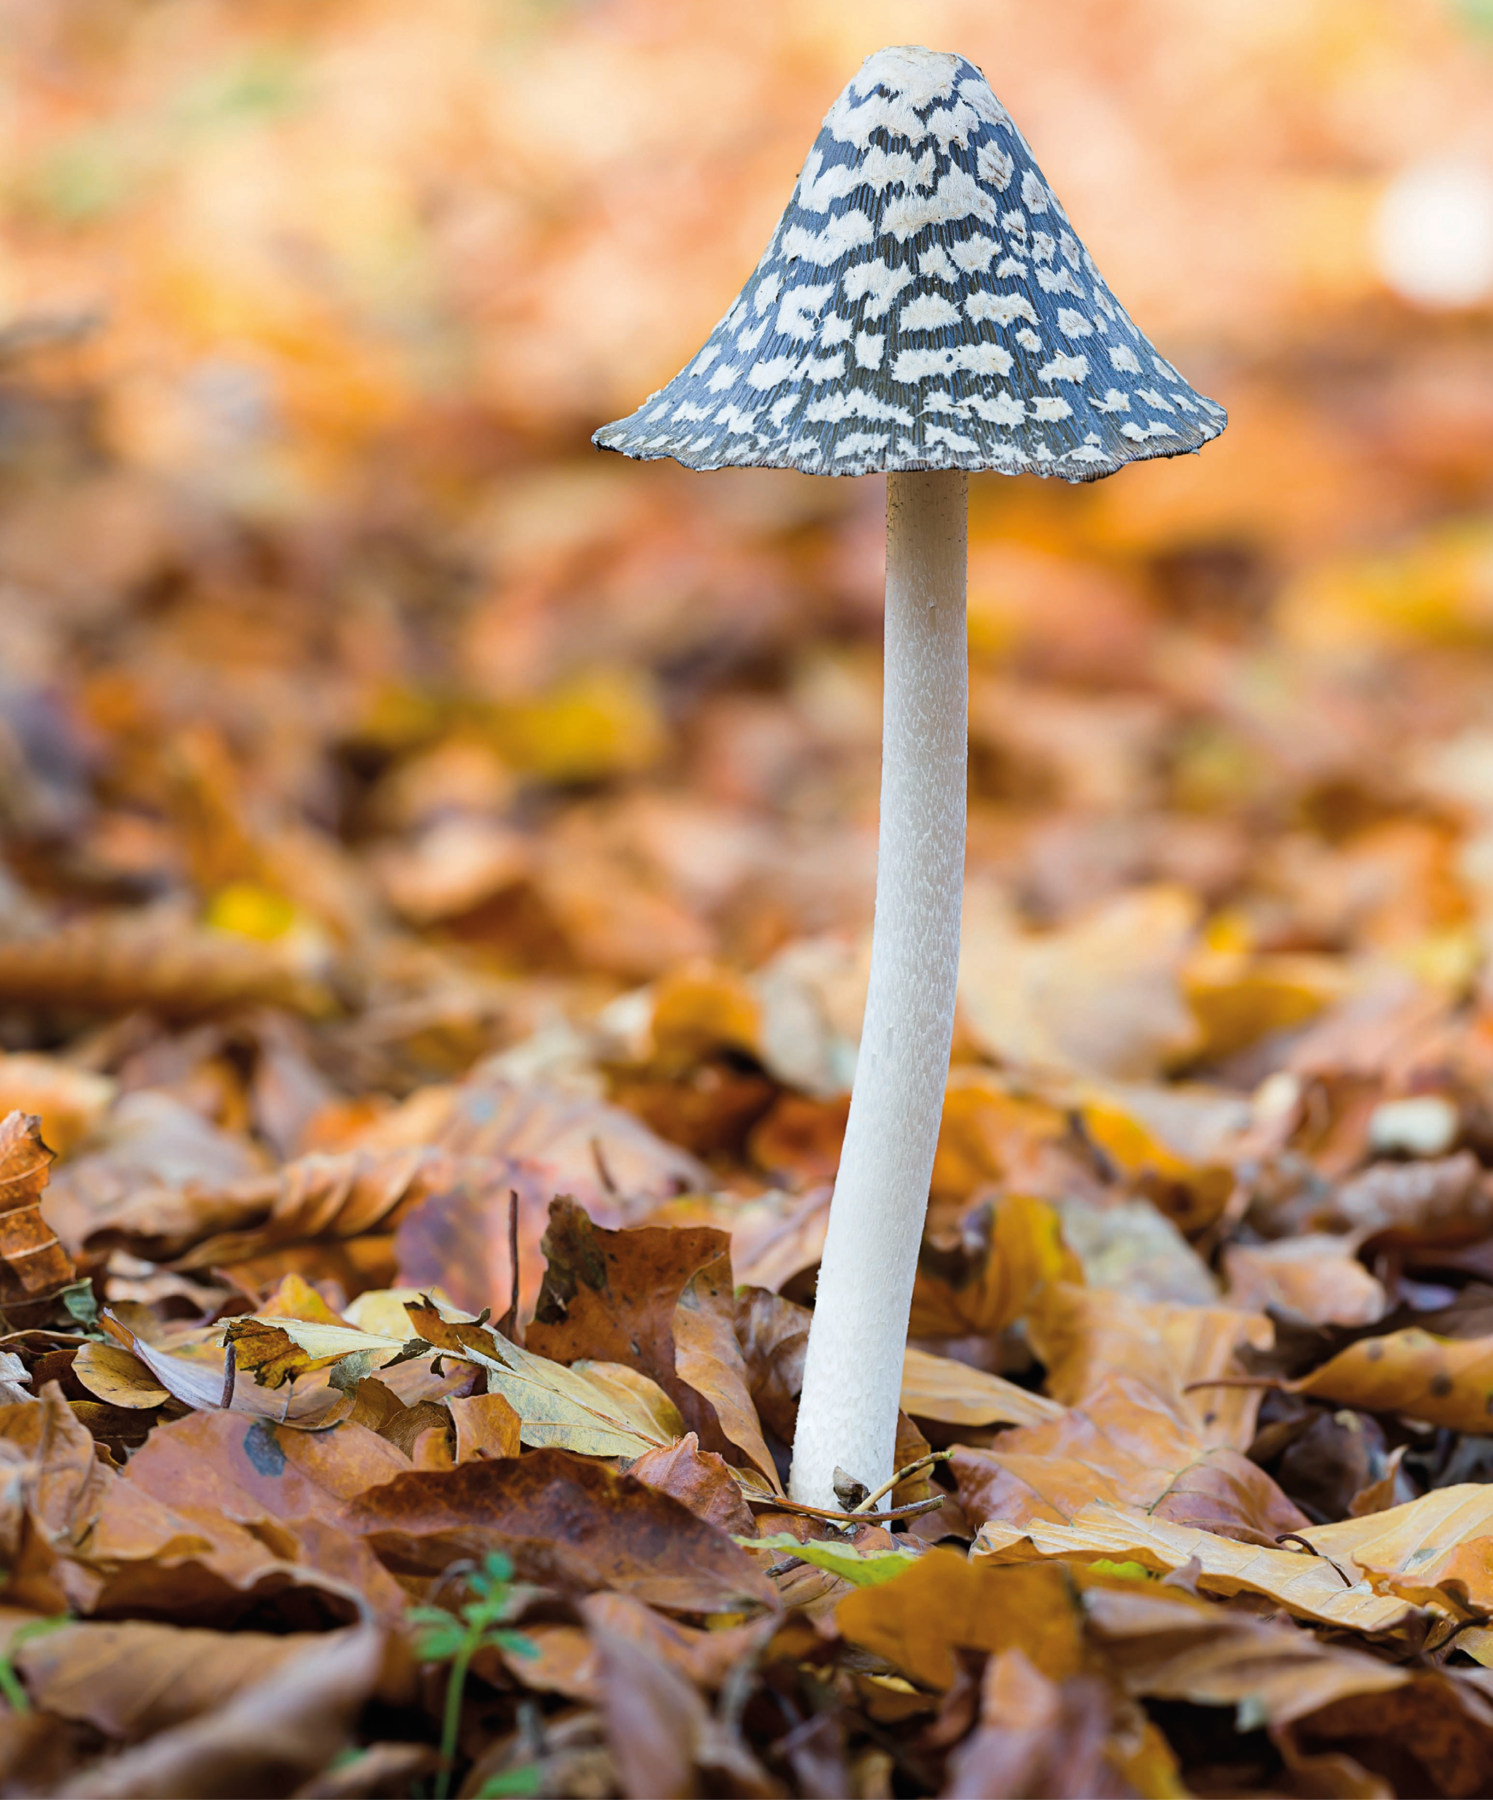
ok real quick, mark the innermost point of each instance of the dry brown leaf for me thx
(1087, 1334)
(116, 962)
(486, 1426)
(192, 1366)
(1102, 995)
(271, 1735)
(1316, 1277)
(700, 1480)
(133, 1678)
(1166, 1644)
(565, 1520)
(71, 1102)
(660, 1301)
(1437, 1550)
(33, 1265)
(1126, 1446)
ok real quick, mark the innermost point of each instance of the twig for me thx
(508, 1324)
(854, 1518)
(1295, 1537)
(1238, 1381)
(230, 1373)
(598, 1156)
(923, 1462)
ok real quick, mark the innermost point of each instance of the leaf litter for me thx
(435, 885)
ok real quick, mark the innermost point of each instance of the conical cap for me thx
(923, 304)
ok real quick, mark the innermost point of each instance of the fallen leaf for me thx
(953, 1393)
(1126, 1446)
(1037, 1736)
(114, 963)
(1086, 1334)
(1166, 1645)
(486, 1426)
(660, 1301)
(117, 1376)
(269, 1736)
(193, 1366)
(943, 1604)
(134, 1678)
(869, 1569)
(1308, 1586)
(71, 1102)
(1317, 1277)
(565, 1520)
(700, 1480)
(1102, 995)
(275, 1350)
(577, 1409)
(1437, 1550)
(1445, 1381)
(33, 1265)
(1007, 1255)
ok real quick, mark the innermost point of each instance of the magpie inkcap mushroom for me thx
(924, 308)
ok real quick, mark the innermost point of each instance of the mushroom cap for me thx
(923, 304)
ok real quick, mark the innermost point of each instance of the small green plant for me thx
(478, 1624)
(11, 1690)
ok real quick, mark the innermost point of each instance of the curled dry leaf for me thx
(275, 1350)
(700, 1480)
(33, 1265)
(193, 1367)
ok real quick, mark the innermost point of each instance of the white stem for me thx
(853, 1376)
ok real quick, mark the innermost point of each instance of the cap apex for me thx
(909, 71)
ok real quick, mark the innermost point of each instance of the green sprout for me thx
(11, 1690)
(479, 1624)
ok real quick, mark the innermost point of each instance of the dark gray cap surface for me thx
(924, 304)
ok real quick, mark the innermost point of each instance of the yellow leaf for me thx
(1444, 1381)
(945, 1602)
(118, 1376)
(952, 1393)
(1308, 1586)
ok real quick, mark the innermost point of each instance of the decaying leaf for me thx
(33, 1265)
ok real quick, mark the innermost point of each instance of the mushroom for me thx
(924, 308)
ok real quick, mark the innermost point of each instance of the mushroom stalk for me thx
(847, 1418)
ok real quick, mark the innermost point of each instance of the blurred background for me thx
(359, 721)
